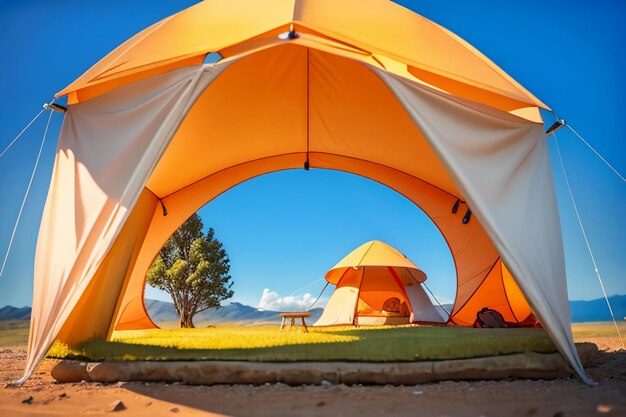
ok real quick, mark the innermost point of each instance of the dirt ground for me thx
(42, 396)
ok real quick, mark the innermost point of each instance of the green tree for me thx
(193, 269)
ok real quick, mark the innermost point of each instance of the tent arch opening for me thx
(131, 312)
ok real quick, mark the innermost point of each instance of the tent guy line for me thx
(318, 297)
(46, 106)
(22, 132)
(562, 123)
(30, 183)
(582, 229)
(315, 281)
(597, 153)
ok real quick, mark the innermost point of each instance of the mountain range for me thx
(597, 310)
(237, 313)
(233, 313)
(14, 313)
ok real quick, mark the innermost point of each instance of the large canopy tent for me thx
(376, 284)
(151, 134)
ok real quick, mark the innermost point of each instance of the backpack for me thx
(488, 318)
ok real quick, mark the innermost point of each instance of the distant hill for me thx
(14, 313)
(161, 311)
(597, 310)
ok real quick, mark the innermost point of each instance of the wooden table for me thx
(293, 317)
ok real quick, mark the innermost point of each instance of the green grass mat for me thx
(268, 343)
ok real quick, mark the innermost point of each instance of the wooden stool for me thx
(293, 317)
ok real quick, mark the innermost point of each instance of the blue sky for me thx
(284, 230)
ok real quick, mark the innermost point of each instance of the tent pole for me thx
(440, 305)
(56, 107)
(307, 164)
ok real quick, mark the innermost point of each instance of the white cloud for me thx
(270, 300)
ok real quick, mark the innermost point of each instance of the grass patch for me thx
(601, 329)
(14, 332)
(267, 343)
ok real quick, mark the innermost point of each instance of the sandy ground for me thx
(42, 396)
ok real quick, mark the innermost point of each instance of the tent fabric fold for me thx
(108, 148)
(501, 164)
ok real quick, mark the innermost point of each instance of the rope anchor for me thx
(55, 107)
(556, 126)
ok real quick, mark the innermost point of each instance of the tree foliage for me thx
(193, 269)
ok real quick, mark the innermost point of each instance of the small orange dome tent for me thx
(376, 284)
(369, 88)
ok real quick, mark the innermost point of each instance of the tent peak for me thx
(374, 253)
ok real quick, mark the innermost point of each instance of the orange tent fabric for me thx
(382, 29)
(151, 135)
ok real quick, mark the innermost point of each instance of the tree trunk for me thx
(186, 320)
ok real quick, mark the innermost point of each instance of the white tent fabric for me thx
(108, 148)
(501, 165)
(340, 307)
(421, 306)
